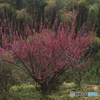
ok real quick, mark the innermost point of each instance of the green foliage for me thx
(3, 5)
(92, 72)
(6, 6)
(82, 2)
(22, 14)
(35, 7)
(6, 10)
(93, 13)
(22, 77)
(51, 4)
(23, 92)
(7, 80)
(96, 44)
(65, 4)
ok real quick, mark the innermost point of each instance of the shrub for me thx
(92, 72)
(7, 80)
(96, 44)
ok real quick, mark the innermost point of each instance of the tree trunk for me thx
(0, 40)
(44, 89)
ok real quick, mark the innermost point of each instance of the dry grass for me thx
(67, 87)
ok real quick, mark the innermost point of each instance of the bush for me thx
(92, 72)
(7, 80)
(96, 44)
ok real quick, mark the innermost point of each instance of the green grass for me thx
(24, 92)
(28, 92)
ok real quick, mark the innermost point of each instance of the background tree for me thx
(91, 12)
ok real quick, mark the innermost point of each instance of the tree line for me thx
(32, 10)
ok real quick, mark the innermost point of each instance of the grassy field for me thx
(28, 92)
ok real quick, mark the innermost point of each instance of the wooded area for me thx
(28, 10)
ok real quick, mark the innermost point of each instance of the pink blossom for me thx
(46, 53)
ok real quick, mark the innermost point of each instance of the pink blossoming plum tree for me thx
(46, 55)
